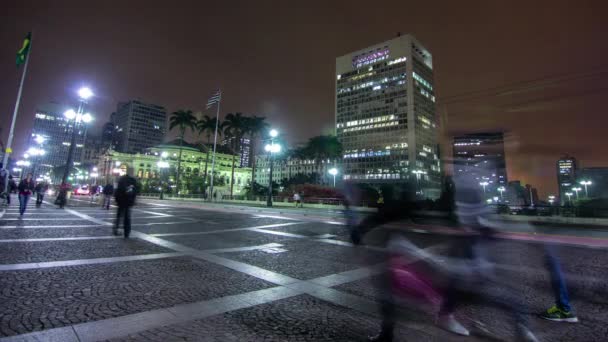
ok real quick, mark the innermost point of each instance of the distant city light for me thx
(273, 133)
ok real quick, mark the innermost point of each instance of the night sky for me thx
(537, 69)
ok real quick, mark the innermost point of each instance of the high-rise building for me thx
(51, 124)
(109, 136)
(481, 156)
(385, 115)
(566, 176)
(244, 150)
(139, 126)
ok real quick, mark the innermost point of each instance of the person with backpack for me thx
(108, 191)
(125, 194)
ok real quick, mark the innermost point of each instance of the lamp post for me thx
(586, 183)
(271, 148)
(36, 153)
(569, 194)
(501, 190)
(576, 190)
(333, 171)
(162, 165)
(84, 94)
(551, 199)
(484, 184)
(418, 173)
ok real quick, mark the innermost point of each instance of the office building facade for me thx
(56, 129)
(385, 115)
(566, 177)
(244, 152)
(481, 157)
(139, 126)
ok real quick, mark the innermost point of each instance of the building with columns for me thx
(145, 166)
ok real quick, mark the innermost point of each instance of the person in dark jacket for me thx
(108, 192)
(125, 194)
(12, 187)
(40, 190)
(26, 187)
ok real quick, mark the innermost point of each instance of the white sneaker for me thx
(449, 323)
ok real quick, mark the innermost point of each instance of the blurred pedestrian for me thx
(26, 187)
(12, 187)
(561, 311)
(94, 193)
(108, 192)
(3, 183)
(125, 194)
(297, 199)
(40, 189)
(62, 196)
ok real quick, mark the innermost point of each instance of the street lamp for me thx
(162, 165)
(484, 184)
(576, 190)
(418, 173)
(271, 148)
(586, 183)
(551, 199)
(78, 117)
(333, 171)
(569, 194)
(501, 190)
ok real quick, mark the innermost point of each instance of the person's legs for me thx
(127, 223)
(561, 311)
(119, 213)
(21, 204)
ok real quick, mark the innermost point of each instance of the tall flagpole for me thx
(217, 123)
(11, 133)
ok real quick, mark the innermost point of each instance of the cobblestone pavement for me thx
(192, 272)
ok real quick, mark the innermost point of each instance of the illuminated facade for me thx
(50, 123)
(145, 166)
(566, 177)
(385, 115)
(481, 156)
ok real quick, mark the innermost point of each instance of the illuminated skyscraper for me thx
(566, 177)
(51, 124)
(385, 115)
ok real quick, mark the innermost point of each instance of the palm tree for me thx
(235, 126)
(255, 127)
(206, 126)
(323, 147)
(182, 119)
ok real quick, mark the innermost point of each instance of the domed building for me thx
(158, 165)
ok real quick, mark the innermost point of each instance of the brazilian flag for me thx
(22, 53)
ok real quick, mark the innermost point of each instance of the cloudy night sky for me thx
(536, 69)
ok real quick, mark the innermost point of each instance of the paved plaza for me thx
(199, 272)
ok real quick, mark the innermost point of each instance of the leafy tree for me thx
(182, 120)
(206, 126)
(235, 127)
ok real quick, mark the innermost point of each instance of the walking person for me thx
(297, 199)
(108, 192)
(561, 311)
(3, 183)
(12, 187)
(26, 187)
(125, 194)
(40, 190)
(62, 197)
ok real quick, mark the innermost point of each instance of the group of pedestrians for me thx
(465, 269)
(25, 189)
